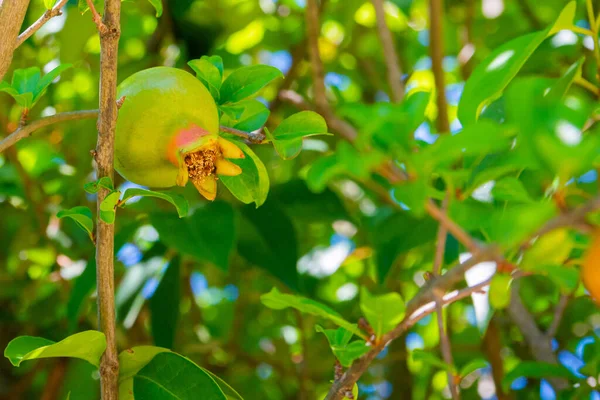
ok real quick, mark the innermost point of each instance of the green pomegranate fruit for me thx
(168, 133)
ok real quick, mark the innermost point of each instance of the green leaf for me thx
(510, 189)
(260, 241)
(473, 366)
(383, 312)
(491, 77)
(208, 74)
(134, 359)
(131, 361)
(483, 137)
(164, 306)
(428, 358)
(553, 248)
(88, 346)
(322, 171)
(82, 216)
(229, 392)
(176, 199)
(246, 81)
(157, 4)
(279, 301)
(171, 376)
(533, 369)
(413, 194)
(344, 350)
(562, 85)
(104, 182)
(500, 291)
(287, 137)
(82, 287)
(207, 235)
(247, 115)
(46, 80)
(49, 4)
(252, 185)
(108, 207)
(396, 235)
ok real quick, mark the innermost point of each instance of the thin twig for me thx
(440, 243)
(109, 30)
(559, 312)
(27, 130)
(446, 348)
(436, 50)
(102, 28)
(256, 138)
(53, 12)
(539, 344)
(394, 72)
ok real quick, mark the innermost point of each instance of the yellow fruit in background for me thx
(168, 133)
(590, 269)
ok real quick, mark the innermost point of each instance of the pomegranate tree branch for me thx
(559, 312)
(102, 28)
(27, 130)
(444, 339)
(256, 138)
(436, 50)
(12, 13)
(53, 12)
(394, 72)
(109, 30)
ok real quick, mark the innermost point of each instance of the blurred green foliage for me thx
(332, 240)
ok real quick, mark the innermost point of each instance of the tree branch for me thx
(559, 312)
(446, 348)
(27, 130)
(394, 72)
(256, 138)
(53, 12)
(109, 30)
(436, 49)
(12, 13)
(539, 344)
(102, 28)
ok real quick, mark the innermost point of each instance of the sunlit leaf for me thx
(279, 301)
(82, 216)
(88, 346)
(180, 203)
(492, 75)
(246, 81)
(252, 186)
(383, 312)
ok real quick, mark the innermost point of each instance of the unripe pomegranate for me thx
(168, 133)
(590, 269)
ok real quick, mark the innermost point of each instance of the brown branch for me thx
(492, 345)
(27, 130)
(394, 72)
(109, 31)
(559, 312)
(446, 349)
(12, 13)
(256, 138)
(436, 49)
(53, 12)
(102, 28)
(440, 243)
(539, 344)
(444, 339)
